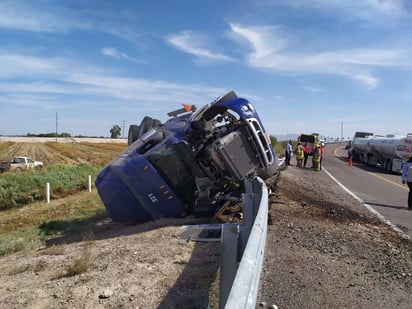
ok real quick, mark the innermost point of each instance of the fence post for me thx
(90, 184)
(48, 193)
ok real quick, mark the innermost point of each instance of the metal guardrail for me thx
(244, 243)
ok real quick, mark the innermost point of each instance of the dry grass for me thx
(53, 250)
(61, 209)
(78, 266)
(37, 267)
(118, 148)
(84, 262)
(97, 154)
(65, 149)
(5, 145)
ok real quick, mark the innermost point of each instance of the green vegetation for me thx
(30, 228)
(28, 223)
(278, 147)
(20, 189)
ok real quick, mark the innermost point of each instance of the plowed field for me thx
(64, 153)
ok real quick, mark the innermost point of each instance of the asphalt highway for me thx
(376, 188)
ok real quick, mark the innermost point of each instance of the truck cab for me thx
(194, 163)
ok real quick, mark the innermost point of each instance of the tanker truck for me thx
(386, 151)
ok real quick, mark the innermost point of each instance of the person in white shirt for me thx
(288, 153)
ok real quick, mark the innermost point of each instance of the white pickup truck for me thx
(19, 164)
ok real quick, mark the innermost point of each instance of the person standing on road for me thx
(316, 158)
(300, 154)
(322, 150)
(306, 155)
(288, 153)
(407, 178)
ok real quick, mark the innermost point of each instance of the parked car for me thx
(20, 164)
(194, 163)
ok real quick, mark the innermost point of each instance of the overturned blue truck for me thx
(192, 164)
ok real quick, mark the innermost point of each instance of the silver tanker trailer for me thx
(386, 151)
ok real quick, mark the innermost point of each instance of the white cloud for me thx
(269, 51)
(389, 7)
(367, 80)
(364, 9)
(19, 16)
(261, 39)
(15, 15)
(195, 44)
(113, 52)
(61, 77)
(313, 89)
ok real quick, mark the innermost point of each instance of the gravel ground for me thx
(324, 250)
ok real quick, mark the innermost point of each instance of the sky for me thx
(326, 66)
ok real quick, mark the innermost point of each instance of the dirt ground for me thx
(323, 251)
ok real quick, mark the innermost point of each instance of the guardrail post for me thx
(228, 260)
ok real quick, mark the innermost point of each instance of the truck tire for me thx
(228, 96)
(133, 134)
(148, 123)
(389, 165)
(18, 170)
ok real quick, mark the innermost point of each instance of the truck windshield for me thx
(172, 163)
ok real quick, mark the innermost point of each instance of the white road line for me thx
(368, 207)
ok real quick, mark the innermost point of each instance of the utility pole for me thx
(56, 127)
(341, 131)
(123, 128)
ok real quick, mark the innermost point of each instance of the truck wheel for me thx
(228, 96)
(147, 123)
(133, 134)
(389, 166)
(18, 170)
(156, 123)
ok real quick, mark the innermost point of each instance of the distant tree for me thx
(115, 131)
(273, 140)
(52, 134)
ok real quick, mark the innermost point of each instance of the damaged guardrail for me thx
(239, 283)
(242, 247)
